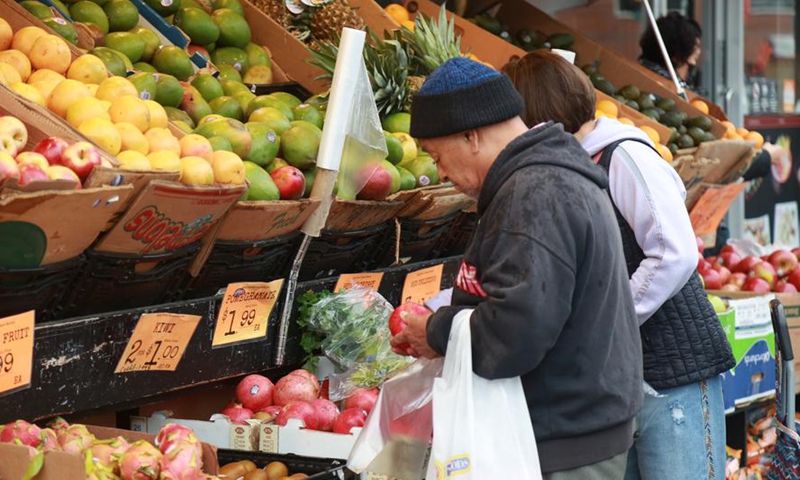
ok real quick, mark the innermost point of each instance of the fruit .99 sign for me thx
(244, 312)
(16, 351)
(158, 342)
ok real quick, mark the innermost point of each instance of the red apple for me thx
(796, 251)
(290, 182)
(730, 259)
(766, 272)
(377, 183)
(794, 279)
(737, 279)
(703, 265)
(713, 260)
(784, 261)
(60, 172)
(192, 49)
(8, 167)
(724, 273)
(29, 173)
(712, 279)
(12, 127)
(34, 158)
(781, 286)
(81, 158)
(727, 248)
(52, 148)
(700, 246)
(746, 265)
(729, 287)
(755, 284)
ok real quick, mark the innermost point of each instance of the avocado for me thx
(673, 148)
(697, 134)
(561, 40)
(589, 69)
(660, 111)
(673, 136)
(671, 119)
(666, 103)
(710, 137)
(652, 113)
(682, 129)
(605, 86)
(685, 141)
(487, 23)
(620, 98)
(632, 104)
(702, 121)
(631, 92)
(645, 101)
(596, 77)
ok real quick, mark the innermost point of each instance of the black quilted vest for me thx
(683, 342)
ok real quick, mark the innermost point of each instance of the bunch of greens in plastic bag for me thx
(354, 327)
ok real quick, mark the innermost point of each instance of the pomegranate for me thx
(349, 419)
(326, 413)
(27, 433)
(398, 321)
(268, 414)
(255, 392)
(294, 387)
(237, 413)
(301, 411)
(362, 398)
(307, 375)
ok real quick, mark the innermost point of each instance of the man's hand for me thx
(413, 341)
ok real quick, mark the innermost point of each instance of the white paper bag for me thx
(481, 428)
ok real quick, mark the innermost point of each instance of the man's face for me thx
(694, 59)
(456, 161)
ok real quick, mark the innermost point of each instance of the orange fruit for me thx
(408, 24)
(651, 132)
(700, 105)
(398, 13)
(755, 137)
(626, 121)
(609, 108)
(743, 132)
(666, 154)
(730, 126)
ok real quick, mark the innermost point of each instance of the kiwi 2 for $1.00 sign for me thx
(16, 351)
(158, 342)
(245, 310)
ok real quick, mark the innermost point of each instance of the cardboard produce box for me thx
(167, 216)
(748, 327)
(261, 220)
(63, 466)
(352, 215)
(218, 431)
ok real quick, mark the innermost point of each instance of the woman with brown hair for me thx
(684, 347)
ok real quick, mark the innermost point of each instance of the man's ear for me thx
(474, 139)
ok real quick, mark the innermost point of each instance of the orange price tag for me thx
(245, 310)
(16, 351)
(712, 206)
(157, 342)
(422, 284)
(370, 280)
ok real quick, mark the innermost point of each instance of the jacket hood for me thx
(607, 131)
(547, 144)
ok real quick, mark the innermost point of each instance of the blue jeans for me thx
(680, 435)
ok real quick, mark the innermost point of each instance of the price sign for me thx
(16, 351)
(157, 342)
(245, 310)
(422, 284)
(365, 280)
(707, 213)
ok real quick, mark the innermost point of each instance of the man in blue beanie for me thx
(544, 272)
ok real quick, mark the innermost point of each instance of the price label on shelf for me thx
(370, 280)
(245, 310)
(422, 284)
(16, 351)
(158, 342)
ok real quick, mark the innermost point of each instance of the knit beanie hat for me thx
(460, 95)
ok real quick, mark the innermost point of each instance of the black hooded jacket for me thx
(546, 275)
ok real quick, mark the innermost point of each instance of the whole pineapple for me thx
(328, 20)
(276, 10)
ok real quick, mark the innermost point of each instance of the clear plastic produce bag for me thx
(482, 428)
(395, 439)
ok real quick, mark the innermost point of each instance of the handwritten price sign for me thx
(245, 310)
(16, 351)
(158, 342)
(423, 284)
(370, 280)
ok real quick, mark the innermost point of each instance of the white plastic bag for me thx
(481, 428)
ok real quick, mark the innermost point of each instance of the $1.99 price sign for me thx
(245, 310)
(157, 342)
(16, 351)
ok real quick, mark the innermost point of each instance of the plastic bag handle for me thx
(783, 340)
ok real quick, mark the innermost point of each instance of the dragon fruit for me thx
(96, 470)
(49, 440)
(182, 462)
(27, 433)
(58, 424)
(108, 452)
(172, 434)
(75, 439)
(140, 462)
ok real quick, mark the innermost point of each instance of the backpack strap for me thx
(605, 156)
